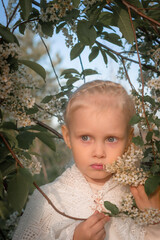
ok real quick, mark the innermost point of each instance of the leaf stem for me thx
(51, 61)
(80, 59)
(5, 10)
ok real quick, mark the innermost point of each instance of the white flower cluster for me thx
(145, 217)
(69, 33)
(154, 83)
(33, 165)
(156, 58)
(55, 11)
(125, 168)
(52, 108)
(15, 84)
(89, 3)
(10, 7)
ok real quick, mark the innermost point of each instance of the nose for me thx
(99, 150)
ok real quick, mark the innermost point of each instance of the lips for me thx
(97, 166)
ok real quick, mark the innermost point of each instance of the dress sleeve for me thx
(152, 232)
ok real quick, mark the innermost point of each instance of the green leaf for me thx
(113, 38)
(150, 100)
(35, 67)
(94, 53)
(1, 185)
(47, 28)
(22, 28)
(111, 55)
(123, 22)
(105, 18)
(72, 80)
(26, 7)
(104, 56)
(158, 145)
(70, 70)
(47, 139)
(76, 50)
(138, 141)
(149, 136)
(152, 184)
(43, 4)
(4, 211)
(89, 72)
(25, 139)
(9, 125)
(18, 189)
(58, 28)
(86, 33)
(32, 110)
(7, 35)
(76, 3)
(111, 207)
(157, 122)
(135, 119)
(47, 99)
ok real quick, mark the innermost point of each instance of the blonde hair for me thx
(110, 95)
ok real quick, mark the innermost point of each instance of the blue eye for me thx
(85, 138)
(112, 139)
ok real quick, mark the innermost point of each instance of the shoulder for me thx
(67, 178)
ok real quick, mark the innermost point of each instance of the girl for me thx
(97, 131)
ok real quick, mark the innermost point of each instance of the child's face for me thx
(96, 137)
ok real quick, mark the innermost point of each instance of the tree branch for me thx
(48, 128)
(126, 58)
(12, 15)
(143, 105)
(130, 6)
(34, 183)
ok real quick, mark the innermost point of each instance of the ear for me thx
(66, 137)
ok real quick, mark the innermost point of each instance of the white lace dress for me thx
(72, 195)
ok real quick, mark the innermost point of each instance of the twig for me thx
(48, 128)
(80, 59)
(130, 6)
(12, 15)
(36, 3)
(51, 61)
(34, 183)
(126, 58)
(143, 105)
(133, 88)
(30, 20)
(5, 10)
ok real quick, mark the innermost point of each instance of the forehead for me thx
(91, 119)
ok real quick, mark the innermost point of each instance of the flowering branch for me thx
(34, 183)
(143, 105)
(15, 10)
